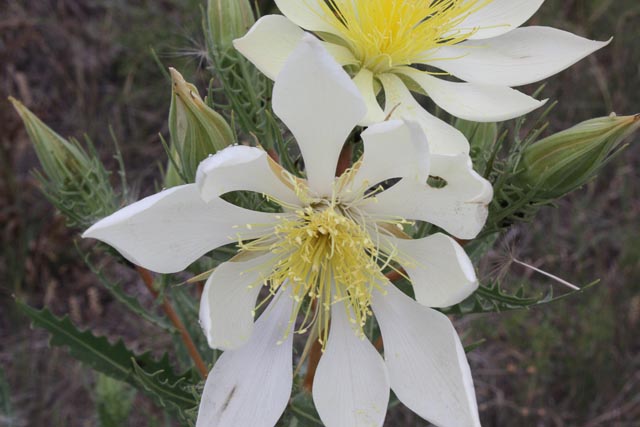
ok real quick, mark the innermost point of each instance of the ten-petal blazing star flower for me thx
(319, 265)
(394, 46)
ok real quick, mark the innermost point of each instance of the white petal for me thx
(500, 17)
(475, 102)
(229, 298)
(307, 14)
(460, 207)
(251, 386)
(523, 56)
(427, 365)
(273, 38)
(351, 386)
(242, 168)
(440, 270)
(399, 103)
(365, 83)
(269, 43)
(320, 104)
(392, 149)
(168, 231)
(340, 53)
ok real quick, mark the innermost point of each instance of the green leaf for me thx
(501, 163)
(247, 92)
(492, 299)
(177, 396)
(115, 360)
(127, 300)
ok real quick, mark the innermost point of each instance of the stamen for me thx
(384, 34)
(328, 252)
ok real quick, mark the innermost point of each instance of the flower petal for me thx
(460, 207)
(229, 299)
(475, 102)
(269, 43)
(340, 53)
(307, 14)
(525, 55)
(461, 179)
(320, 104)
(351, 386)
(440, 270)
(392, 149)
(251, 386)
(443, 138)
(365, 83)
(273, 38)
(168, 231)
(243, 168)
(427, 365)
(500, 17)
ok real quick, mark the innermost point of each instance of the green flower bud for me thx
(228, 20)
(196, 130)
(563, 162)
(75, 181)
(246, 89)
(59, 158)
(481, 137)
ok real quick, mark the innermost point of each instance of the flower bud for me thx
(228, 20)
(563, 162)
(75, 181)
(481, 137)
(196, 130)
(59, 158)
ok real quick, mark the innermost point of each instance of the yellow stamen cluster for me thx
(325, 256)
(384, 34)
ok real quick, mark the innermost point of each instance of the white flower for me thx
(328, 247)
(380, 41)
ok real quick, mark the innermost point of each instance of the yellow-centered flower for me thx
(329, 250)
(319, 265)
(384, 34)
(466, 55)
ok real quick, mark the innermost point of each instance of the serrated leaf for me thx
(174, 396)
(114, 360)
(493, 299)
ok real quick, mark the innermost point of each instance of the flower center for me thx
(384, 34)
(327, 253)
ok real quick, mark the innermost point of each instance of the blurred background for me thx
(87, 66)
